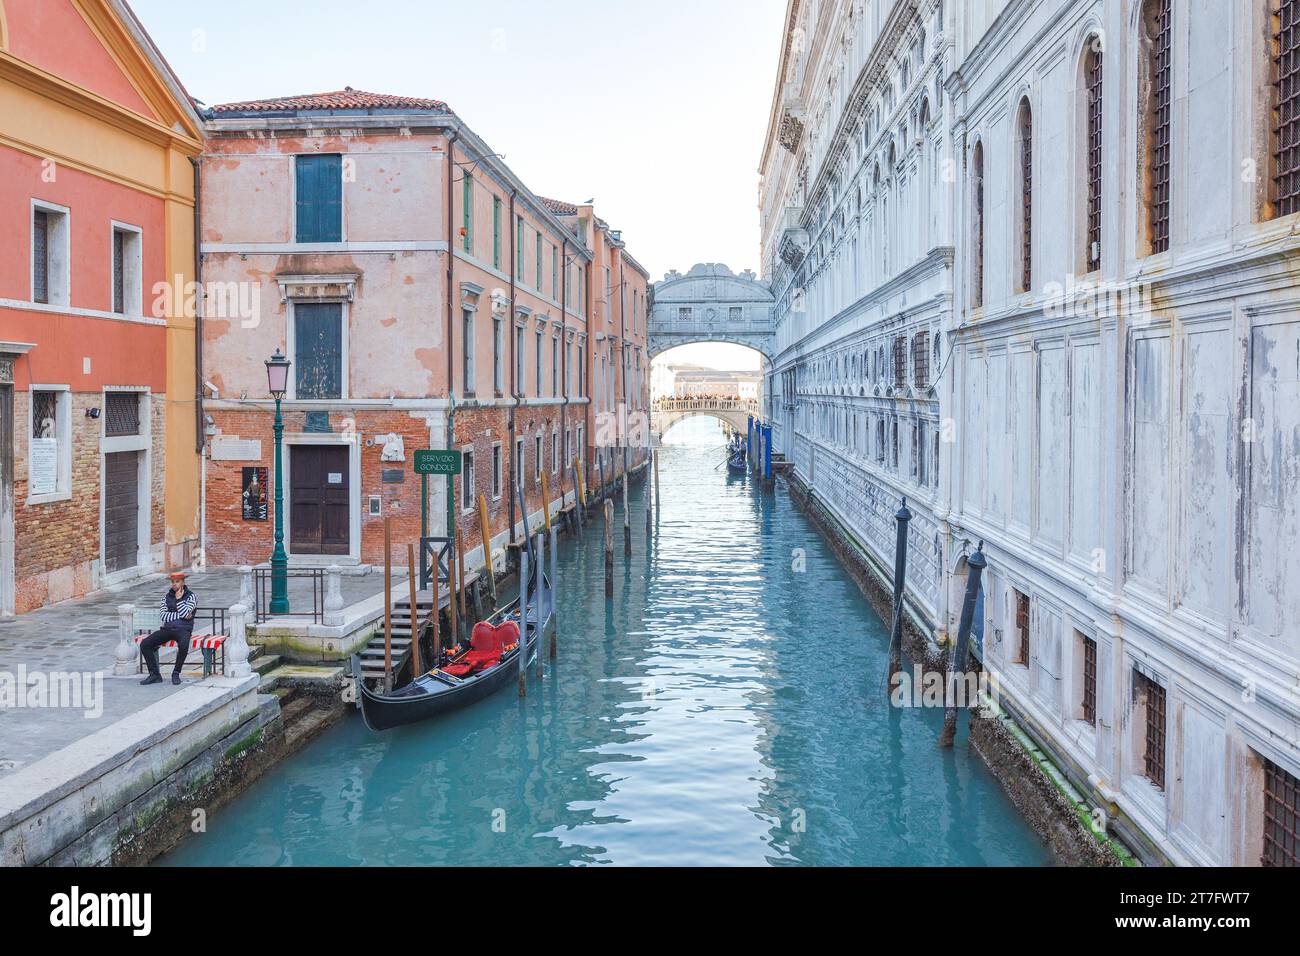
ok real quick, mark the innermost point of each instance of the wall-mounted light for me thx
(92, 413)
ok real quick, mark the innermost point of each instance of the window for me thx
(1158, 33)
(496, 233)
(684, 313)
(555, 453)
(736, 313)
(568, 368)
(49, 458)
(537, 276)
(1281, 817)
(1089, 680)
(121, 414)
(581, 367)
(900, 361)
(916, 452)
(1022, 627)
(50, 253)
(1092, 85)
(1286, 107)
(555, 365)
(467, 213)
(496, 471)
(126, 279)
(467, 349)
(1152, 698)
(519, 248)
(538, 363)
(537, 459)
(921, 359)
(555, 271)
(468, 488)
(517, 472)
(922, 469)
(318, 350)
(521, 377)
(1026, 135)
(498, 347)
(319, 198)
(582, 447)
(977, 225)
(893, 443)
(568, 447)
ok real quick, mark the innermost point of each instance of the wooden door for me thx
(319, 500)
(121, 510)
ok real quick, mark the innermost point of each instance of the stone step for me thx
(266, 662)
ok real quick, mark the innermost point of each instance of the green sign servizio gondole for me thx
(436, 461)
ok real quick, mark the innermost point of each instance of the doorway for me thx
(319, 499)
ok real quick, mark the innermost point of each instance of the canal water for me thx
(726, 707)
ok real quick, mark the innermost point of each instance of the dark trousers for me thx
(149, 647)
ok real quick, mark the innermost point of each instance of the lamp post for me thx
(277, 380)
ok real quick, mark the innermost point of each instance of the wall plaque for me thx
(43, 468)
(234, 448)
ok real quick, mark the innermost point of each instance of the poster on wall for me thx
(254, 484)
(43, 467)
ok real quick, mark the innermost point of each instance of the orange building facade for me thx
(98, 462)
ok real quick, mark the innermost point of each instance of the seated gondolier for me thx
(177, 612)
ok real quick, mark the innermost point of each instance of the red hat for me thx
(178, 575)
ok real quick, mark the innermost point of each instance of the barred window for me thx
(977, 254)
(1157, 20)
(1281, 817)
(1286, 107)
(921, 359)
(1089, 680)
(1152, 697)
(40, 256)
(1092, 83)
(121, 413)
(1026, 127)
(45, 414)
(1022, 628)
(900, 361)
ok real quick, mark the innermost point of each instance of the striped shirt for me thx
(177, 611)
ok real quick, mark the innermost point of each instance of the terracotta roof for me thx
(558, 207)
(344, 99)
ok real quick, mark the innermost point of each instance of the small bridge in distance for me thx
(667, 412)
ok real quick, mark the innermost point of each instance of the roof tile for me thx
(344, 99)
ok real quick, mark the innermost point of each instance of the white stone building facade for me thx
(1097, 230)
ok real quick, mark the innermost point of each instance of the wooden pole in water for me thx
(648, 503)
(577, 498)
(452, 614)
(902, 516)
(437, 633)
(555, 563)
(580, 465)
(957, 663)
(460, 575)
(484, 530)
(627, 522)
(541, 596)
(546, 500)
(523, 618)
(655, 459)
(415, 613)
(388, 605)
(609, 548)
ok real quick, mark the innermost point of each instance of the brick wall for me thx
(57, 543)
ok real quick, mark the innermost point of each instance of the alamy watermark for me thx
(37, 689)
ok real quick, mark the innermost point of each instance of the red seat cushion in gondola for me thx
(487, 644)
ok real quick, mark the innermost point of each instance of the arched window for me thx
(1156, 23)
(977, 227)
(1092, 102)
(1025, 137)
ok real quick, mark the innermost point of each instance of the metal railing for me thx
(435, 549)
(262, 594)
(705, 404)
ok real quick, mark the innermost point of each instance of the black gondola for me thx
(438, 692)
(736, 462)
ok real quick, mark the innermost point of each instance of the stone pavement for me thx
(78, 637)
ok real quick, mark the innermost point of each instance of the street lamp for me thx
(277, 381)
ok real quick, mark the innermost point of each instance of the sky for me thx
(656, 110)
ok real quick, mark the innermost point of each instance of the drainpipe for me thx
(200, 444)
(564, 356)
(451, 360)
(514, 368)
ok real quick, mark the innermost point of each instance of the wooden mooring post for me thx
(546, 501)
(902, 516)
(655, 459)
(388, 605)
(541, 597)
(975, 565)
(460, 572)
(627, 522)
(436, 613)
(555, 564)
(485, 532)
(523, 618)
(609, 548)
(415, 611)
(648, 503)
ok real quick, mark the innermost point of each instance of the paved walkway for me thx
(79, 637)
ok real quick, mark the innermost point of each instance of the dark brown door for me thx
(121, 510)
(318, 499)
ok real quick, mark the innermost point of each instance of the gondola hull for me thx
(736, 465)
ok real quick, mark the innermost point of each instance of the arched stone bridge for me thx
(667, 412)
(712, 304)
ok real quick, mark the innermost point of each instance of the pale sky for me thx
(657, 110)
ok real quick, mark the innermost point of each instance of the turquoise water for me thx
(724, 708)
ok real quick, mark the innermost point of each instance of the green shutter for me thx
(319, 198)
(467, 202)
(496, 233)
